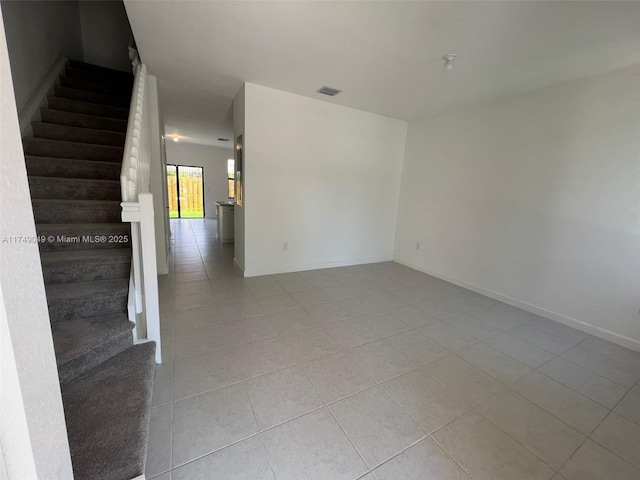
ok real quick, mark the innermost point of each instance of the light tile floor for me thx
(376, 372)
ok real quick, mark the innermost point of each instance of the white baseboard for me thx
(238, 267)
(30, 112)
(254, 272)
(616, 338)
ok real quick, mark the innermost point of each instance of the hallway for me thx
(375, 372)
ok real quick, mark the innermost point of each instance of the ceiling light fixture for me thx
(176, 138)
(449, 58)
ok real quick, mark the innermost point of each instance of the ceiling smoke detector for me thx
(332, 92)
(449, 58)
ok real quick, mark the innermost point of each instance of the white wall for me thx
(322, 177)
(214, 161)
(106, 34)
(33, 435)
(37, 34)
(535, 200)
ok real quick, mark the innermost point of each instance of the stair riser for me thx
(77, 134)
(72, 239)
(91, 97)
(49, 212)
(82, 364)
(78, 151)
(84, 272)
(67, 168)
(68, 105)
(96, 87)
(88, 307)
(81, 120)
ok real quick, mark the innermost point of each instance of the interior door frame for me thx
(204, 203)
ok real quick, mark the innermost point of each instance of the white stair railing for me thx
(137, 209)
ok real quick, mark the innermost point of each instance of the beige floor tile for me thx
(522, 351)
(611, 350)
(569, 406)
(278, 303)
(292, 321)
(205, 372)
(592, 462)
(592, 386)
(192, 287)
(314, 446)
(416, 347)
(351, 333)
(621, 373)
(376, 425)
(629, 406)
(439, 310)
(359, 306)
(487, 453)
(281, 396)
(412, 316)
(210, 421)
(162, 385)
(382, 361)
(311, 297)
(448, 336)
(246, 460)
(311, 344)
(500, 366)
(263, 357)
(479, 329)
(428, 401)
(385, 300)
(337, 376)
(547, 341)
(384, 324)
(328, 313)
(542, 434)
(621, 436)
(424, 461)
(159, 446)
(465, 380)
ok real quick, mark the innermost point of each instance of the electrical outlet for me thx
(285, 245)
(417, 245)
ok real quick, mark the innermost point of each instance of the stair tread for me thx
(75, 134)
(97, 86)
(116, 287)
(116, 255)
(78, 106)
(108, 411)
(85, 120)
(36, 147)
(90, 202)
(92, 97)
(75, 338)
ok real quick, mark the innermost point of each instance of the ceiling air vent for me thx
(332, 92)
(223, 139)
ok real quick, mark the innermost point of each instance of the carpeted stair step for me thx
(85, 265)
(69, 301)
(82, 344)
(74, 188)
(42, 147)
(76, 211)
(72, 168)
(108, 412)
(95, 86)
(57, 103)
(91, 97)
(69, 133)
(82, 120)
(83, 236)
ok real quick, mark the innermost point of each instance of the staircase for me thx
(73, 163)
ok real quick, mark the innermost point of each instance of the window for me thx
(231, 178)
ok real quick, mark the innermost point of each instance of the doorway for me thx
(186, 191)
